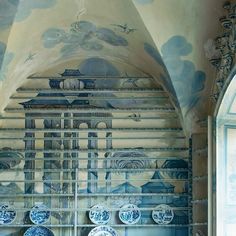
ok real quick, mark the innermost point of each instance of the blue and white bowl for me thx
(163, 214)
(38, 231)
(103, 230)
(129, 214)
(7, 214)
(39, 214)
(99, 214)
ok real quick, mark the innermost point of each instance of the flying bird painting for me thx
(124, 28)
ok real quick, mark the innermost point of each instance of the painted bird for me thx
(124, 28)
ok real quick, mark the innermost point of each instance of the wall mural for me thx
(82, 34)
(188, 82)
(115, 180)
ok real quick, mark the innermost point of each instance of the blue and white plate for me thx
(7, 214)
(129, 214)
(163, 214)
(99, 214)
(38, 231)
(103, 230)
(39, 214)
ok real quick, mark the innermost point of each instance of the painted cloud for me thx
(188, 82)
(82, 34)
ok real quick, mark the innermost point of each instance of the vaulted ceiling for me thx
(161, 38)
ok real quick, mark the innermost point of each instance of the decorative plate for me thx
(39, 214)
(7, 214)
(99, 215)
(163, 214)
(38, 231)
(129, 214)
(103, 230)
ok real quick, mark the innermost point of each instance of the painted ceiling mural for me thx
(145, 35)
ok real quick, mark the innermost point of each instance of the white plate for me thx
(130, 214)
(7, 214)
(39, 214)
(163, 214)
(38, 230)
(99, 214)
(103, 230)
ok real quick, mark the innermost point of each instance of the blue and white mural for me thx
(188, 82)
(185, 81)
(124, 173)
(82, 35)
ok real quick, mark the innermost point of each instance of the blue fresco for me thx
(188, 82)
(82, 34)
(143, 2)
(89, 67)
(153, 52)
(5, 59)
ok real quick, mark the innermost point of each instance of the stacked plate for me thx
(39, 215)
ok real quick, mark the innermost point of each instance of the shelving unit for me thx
(200, 178)
(74, 153)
